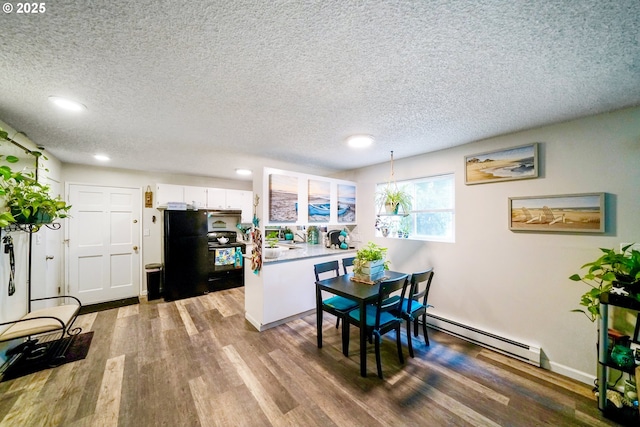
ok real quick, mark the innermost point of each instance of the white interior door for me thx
(46, 257)
(103, 243)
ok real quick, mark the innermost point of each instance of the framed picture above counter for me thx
(302, 199)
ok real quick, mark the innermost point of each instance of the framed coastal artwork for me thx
(576, 213)
(319, 200)
(502, 165)
(283, 198)
(346, 203)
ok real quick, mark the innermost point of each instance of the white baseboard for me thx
(526, 352)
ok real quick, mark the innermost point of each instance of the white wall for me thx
(516, 284)
(152, 244)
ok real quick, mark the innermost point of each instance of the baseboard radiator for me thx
(525, 352)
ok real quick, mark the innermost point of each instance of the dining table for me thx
(362, 293)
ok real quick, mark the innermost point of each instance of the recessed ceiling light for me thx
(101, 157)
(243, 171)
(360, 141)
(67, 104)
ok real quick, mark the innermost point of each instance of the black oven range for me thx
(225, 260)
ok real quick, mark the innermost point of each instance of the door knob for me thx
(135, 248)
(135, 221)
(48, 257)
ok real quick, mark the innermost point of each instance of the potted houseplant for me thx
(370, 263)
(272, 250)
(288, 234)
(393, 198)
(612, 270)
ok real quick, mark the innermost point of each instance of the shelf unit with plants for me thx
(614, 407)
(614, 281)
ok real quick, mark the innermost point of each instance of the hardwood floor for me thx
(198, 362)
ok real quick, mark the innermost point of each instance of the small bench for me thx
(48, 320)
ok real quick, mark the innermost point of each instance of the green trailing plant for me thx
(24, 199)
(612, 269)
(393, 199)
(371, 252)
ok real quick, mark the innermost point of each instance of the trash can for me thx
(154, 280)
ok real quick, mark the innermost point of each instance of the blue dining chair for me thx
(336, 305)
(380, 317)
(347, 262)
(415, 305)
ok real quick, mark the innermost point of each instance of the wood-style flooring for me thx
(198, 362)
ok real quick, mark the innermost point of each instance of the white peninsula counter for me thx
(284, 289)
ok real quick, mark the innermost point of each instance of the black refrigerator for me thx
(186, 263)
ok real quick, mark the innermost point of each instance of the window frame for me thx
(411, 186)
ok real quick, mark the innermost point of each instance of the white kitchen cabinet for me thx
(216, 198)
(197, 195)
(166, 193)
(242, 200)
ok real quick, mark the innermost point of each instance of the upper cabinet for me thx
(206, 198)
(196, 195)
(216, 198)
(220, 198)
(167, 193)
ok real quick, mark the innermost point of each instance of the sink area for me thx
(290, 245)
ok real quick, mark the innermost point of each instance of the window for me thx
(432, 216)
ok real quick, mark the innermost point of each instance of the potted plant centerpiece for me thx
(370, 263)
(617, 272)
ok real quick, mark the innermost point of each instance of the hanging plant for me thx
(24, 199)
(392, 198)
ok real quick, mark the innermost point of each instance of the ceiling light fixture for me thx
(67, 104)
(360, 141)
(101, 157)
(243, 171)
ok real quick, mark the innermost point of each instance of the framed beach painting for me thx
(346, 203)
(283, 198)
(575, 213)
(319, 200)
(502, 165)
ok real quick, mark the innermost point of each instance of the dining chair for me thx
(379, 318)
(347, 262)
(415, 305)
(336, 305)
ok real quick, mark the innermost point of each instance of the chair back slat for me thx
(418, 278)
(347, 262)
(385, 303)
(325, 267)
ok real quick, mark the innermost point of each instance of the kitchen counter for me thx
(284, 289)
(298, 251)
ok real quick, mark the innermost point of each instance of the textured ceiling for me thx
(204, 87)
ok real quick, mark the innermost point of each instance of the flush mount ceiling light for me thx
(243, 171)
(67, 104)
(360, 141)
(101, 157)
